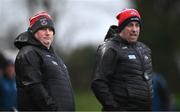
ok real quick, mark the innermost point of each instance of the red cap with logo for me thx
(40, 20)
(127, 15)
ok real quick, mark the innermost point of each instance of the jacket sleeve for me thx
(29, 76)
(105, 65)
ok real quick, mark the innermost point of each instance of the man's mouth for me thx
(47, 38)
(133, 34)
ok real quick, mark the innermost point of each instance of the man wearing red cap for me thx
(42, 78)
(123, 74)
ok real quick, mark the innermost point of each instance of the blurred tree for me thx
(9, 41)
(160, 30)
(80, 63)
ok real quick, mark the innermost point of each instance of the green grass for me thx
(177, 96)
(86, 101)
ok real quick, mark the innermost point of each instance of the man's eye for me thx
(137, 25)
(129, 25)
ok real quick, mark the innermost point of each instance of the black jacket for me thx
(42, 78)
(123, 79)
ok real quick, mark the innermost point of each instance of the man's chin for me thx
(47, 43)
(133, 41)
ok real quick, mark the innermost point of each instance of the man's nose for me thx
(134, 28)
(47, 31)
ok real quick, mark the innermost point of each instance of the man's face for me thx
(45, 36)
(131, 32)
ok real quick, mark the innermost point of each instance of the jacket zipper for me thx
(143, 69)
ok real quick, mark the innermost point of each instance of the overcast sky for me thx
(90, 19)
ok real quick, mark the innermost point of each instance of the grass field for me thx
(177, 101)
(86, 101)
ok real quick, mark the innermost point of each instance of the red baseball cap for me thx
(127, 15)
(40, 20)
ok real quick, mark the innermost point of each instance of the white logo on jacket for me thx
(132, 56)
(124, 47)
(146, 57)
(55, 63)
(48, 55)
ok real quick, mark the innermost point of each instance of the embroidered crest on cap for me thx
(43, 21)
(133, 12)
